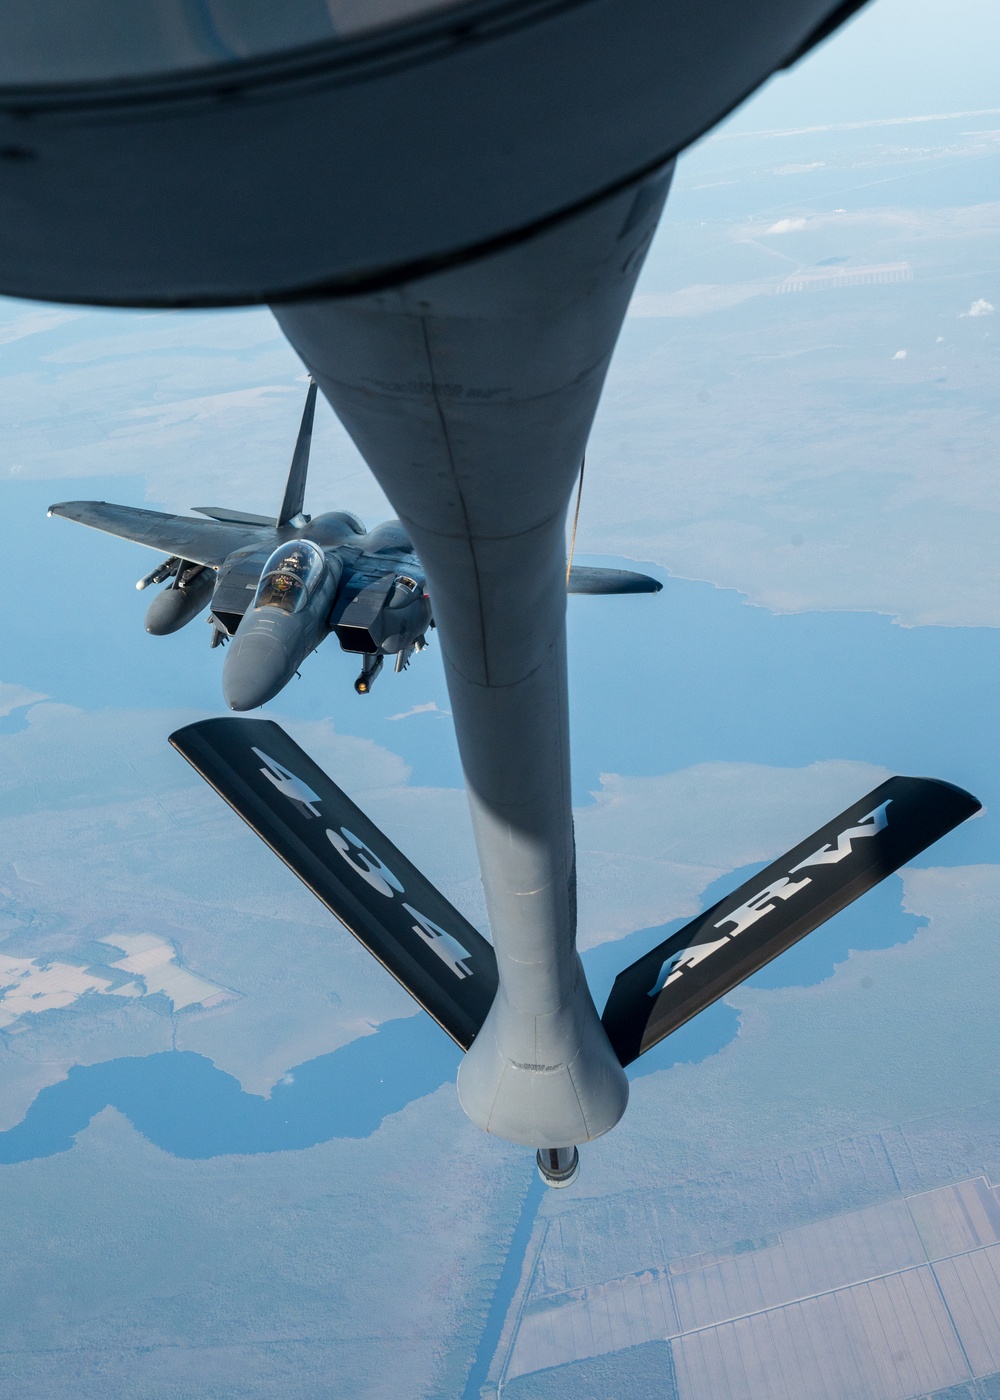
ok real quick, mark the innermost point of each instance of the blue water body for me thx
(184, 1104)
(694, 675)
(181, 1102)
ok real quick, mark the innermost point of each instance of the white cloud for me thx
(167, 415)
(649, 847)
(787, 226)
(16, 697)
(982, 307)
(34, 322)
(899, 355)
(431, 708)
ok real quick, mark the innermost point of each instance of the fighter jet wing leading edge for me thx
(773, 910)
(207, 542)
(408, 925)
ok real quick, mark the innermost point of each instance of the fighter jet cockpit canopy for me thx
(291, 577)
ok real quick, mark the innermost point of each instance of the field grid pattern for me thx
(889, 1302)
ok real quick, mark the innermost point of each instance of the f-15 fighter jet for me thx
(277, 588)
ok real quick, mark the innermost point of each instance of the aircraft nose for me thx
(257, 666)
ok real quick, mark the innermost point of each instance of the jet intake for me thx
(183, 599)
(361, 626)
(387, 616)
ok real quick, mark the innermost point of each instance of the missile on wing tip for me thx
(158, 574)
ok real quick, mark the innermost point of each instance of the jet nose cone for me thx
(257, 667)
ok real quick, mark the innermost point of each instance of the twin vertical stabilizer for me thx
(295, 488)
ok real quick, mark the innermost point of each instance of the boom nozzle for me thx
(558, 1166)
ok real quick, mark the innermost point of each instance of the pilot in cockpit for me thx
(290, 577)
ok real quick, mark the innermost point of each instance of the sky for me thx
(273, 1189)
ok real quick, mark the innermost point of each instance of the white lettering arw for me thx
(748, 913)
(760, 904)
(870, 825)
(364, 861)
(678, 962)
(441, 942)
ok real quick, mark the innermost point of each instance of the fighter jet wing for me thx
(730, 941)
(200, 541)
(584, 579)
(408, 925)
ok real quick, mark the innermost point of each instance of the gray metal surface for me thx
(269, 644)
(202, 541)
(55, 42)
(360, 162)
(471, 395)
(585, 578)
(295, 487)
(225, 557)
